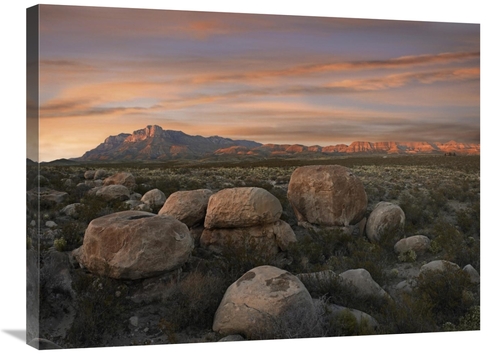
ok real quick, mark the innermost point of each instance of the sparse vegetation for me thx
(439, 195)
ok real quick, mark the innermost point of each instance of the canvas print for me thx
(204, 177)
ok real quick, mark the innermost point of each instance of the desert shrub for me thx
(471, 321)
(318, 246)
(455, 246)
(72, 234)
(405, 315)
(91, 208)
(237, 256)
(408, 256)
(337, 250)
(101, 314)
(417, 212)
(60, 244)
(449, 294)
(192, 303)
(345, 323)
(468, 220)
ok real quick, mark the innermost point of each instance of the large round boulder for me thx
(327, 196)
(89, 174)
(384, 219)
(439, 266)
(242, 207)
(154, 198)
(113, 192)
(261, 240)
(189, 207)
(135, 244)
(264, 303)
(124, 178)
(418, 244)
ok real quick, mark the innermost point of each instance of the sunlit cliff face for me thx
(272, 79)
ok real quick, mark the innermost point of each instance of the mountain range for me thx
(155, 143)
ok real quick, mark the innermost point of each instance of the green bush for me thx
(72, 233)
(60, 244)
(100, 313)
(192, 303)
(449, 294)
(454, 245)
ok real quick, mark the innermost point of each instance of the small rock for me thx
(232, 338)
(50, 224)
(134, 321)
(418, 243)
(474, 275)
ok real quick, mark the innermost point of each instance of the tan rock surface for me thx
(263, 240)
(242, 207)
(385, 218)
(327, 195)
(154, 198)
(418, 243)
(135, 244)
(124, 178)
(262, 302)
(113, 192)
(189, 207)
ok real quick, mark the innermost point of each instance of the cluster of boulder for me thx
(245, 218)
(137, 243)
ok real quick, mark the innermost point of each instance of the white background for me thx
(13, 154)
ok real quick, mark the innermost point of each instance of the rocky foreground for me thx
(227, 262)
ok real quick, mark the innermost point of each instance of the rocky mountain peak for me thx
(154, 143)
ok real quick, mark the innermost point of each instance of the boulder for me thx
(89, 174)
(264, 303)
(47, 196)
(100, 174)
(135, 196)
(327, 196)
(71, 210)
(385, 218)
(231, 338)
(264, 240)
(124, 178)
(418, 243)
(189, 207)
(81, 188)
(42, 181)
(474, 275)
(113, 192)
(242, 207)
(51, 224)
(154, 198)
(405, 286)
(438, 265)
(363, 282)
(135, 244)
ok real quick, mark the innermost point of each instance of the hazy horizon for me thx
(267, 78)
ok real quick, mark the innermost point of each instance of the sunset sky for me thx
(268, 78)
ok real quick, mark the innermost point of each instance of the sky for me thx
(268, 78)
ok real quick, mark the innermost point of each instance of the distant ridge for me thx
(154, 143)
